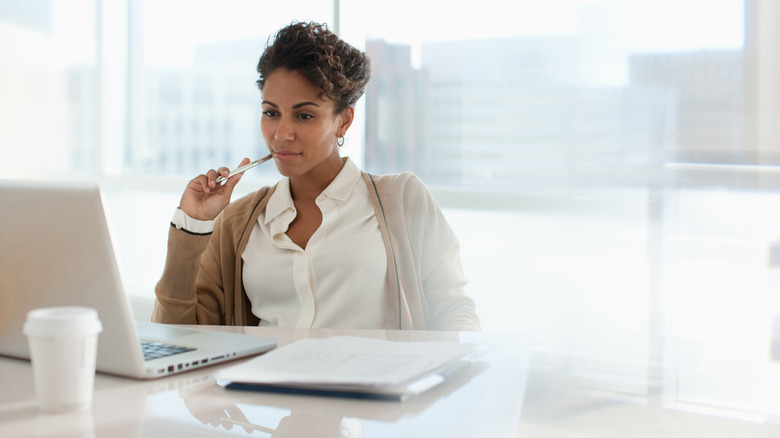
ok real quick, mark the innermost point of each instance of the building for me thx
(396, 135)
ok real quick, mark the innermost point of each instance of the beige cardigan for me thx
(202, 280)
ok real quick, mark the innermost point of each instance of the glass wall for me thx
(48, 96)
(555, 95)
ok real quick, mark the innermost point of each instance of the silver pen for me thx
(244, 168)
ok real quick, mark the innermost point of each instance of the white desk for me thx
(482, 401)
(536, 386)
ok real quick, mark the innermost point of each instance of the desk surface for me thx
(523, 386)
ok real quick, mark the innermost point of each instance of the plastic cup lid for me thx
(62, 321)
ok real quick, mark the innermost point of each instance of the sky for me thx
(174, 27)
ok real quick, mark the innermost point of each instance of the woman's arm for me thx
(442, 274)
(180, 297)
(176, 294)
(187, 292)
(436, 253)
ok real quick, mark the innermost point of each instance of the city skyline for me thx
(534, 97)
(540, 95)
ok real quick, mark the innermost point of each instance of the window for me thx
(194, 102)
(50, 66)
(553, 95)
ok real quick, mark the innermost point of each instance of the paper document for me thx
(347, 364)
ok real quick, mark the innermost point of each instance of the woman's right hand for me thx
(204, 198)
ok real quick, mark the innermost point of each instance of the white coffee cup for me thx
(63, 350)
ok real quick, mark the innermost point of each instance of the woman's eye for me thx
(305, 116)
(269, 113)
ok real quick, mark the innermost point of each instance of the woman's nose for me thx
(284, 130)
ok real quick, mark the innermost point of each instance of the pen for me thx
(244, 168)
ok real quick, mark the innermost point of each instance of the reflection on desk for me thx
(562, 385)
(481, 400)
(296, 416)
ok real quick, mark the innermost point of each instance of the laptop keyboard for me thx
(156, 350)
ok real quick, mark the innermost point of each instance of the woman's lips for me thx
(286, 155)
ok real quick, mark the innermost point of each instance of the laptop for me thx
(56, 250)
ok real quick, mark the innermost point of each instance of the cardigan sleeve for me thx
(201, 282)
(186, 292)
(439, 263)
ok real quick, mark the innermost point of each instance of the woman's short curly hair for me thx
(338, 69)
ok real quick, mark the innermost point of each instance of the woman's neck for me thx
(307, 187)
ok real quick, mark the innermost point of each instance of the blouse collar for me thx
(340, 189)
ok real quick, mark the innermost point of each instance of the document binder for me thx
(352, 367)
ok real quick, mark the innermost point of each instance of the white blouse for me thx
(338, 281)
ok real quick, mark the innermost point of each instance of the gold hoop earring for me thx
(340, 141)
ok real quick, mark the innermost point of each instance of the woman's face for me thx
(300, 128)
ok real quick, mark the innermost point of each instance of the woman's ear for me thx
(346, 116)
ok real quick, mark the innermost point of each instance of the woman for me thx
(329, 245)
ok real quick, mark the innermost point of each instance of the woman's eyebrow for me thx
(296, 106)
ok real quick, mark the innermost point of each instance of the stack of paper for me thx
(351, 367)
